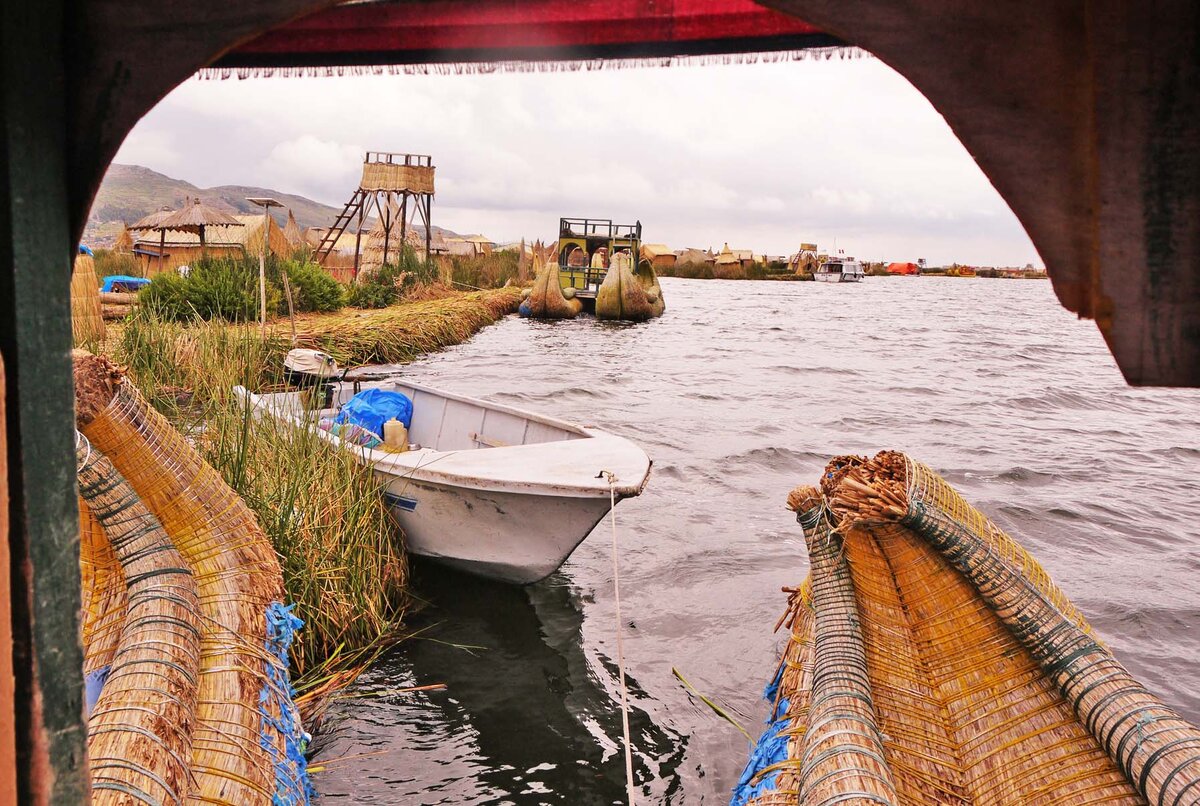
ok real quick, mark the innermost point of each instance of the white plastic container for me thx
(395, 435)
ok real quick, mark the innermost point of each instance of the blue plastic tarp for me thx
(125, 281)
(371, 408)
(84, 249)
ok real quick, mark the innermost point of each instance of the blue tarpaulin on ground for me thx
(126, 283)
(371, 408)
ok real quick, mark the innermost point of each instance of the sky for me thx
(843, 152)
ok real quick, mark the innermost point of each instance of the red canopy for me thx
(378, 33)
(903, 268)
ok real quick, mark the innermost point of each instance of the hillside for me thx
(130, 192)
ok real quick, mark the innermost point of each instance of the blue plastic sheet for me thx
(771, 748)
(371, 408)
(277, 707)
(84, 249)
(124, 281)
(93, 684)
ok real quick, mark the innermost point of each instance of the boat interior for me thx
(446, 422)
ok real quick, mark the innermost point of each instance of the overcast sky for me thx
(763, 156)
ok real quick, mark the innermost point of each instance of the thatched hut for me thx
(155, 253)
(659, 255)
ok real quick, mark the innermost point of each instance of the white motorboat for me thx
(839, 270)
(491, 490)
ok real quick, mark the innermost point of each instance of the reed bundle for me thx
(103, 593)
(118, 298)
(140, 731)
(972, 671)
(546, 299)
(87, 320)
(236, 571)
(404, 332)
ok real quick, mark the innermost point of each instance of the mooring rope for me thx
(612, 517)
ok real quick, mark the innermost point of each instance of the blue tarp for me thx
(124, 280)
(85, 250)
(371, 408)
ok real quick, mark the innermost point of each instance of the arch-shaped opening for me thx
(1066, 110)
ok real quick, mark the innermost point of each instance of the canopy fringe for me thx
(532, 66)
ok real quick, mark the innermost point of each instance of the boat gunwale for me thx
(392, 464)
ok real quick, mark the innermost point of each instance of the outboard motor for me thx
(313, 370)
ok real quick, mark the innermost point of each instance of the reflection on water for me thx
(740, 392)
(525, 712)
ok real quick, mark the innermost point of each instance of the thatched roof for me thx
(196, 215)
(245, 232)
(152, 220)
(656, 249)
(291, 232)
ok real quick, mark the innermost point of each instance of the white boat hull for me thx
(509, 494)
(833, 277)
(511, 537)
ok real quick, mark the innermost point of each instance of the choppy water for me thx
(741, 391)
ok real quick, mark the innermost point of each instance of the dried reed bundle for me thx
(104, 597)
(87, 323)
(404, 332)
(546, 300)
(236, 571)
(140, 731)
(625, 294)
(984, 683)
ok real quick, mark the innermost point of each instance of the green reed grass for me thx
(343, 560)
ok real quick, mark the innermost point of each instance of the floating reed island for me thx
(933, 661)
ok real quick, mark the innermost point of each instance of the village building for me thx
(659, 255)
(693, 255)
(734, 258)
(903, 268)
(156, 252)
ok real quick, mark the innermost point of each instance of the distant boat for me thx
(839, 270)
(491, 490)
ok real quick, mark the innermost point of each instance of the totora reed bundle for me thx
(237, 576)
(87, 320)
(933, 661)
(140, 730)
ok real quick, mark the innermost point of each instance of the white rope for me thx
(612, 516)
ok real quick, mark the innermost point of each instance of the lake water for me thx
(740, 392)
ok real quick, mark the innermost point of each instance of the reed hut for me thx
(167, 250)
(659, 255)
(291, 232)
(124, 242)
(87, 319)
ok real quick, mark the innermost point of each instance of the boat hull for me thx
(473, 530)
(837, 278)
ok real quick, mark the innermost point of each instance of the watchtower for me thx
(396, 189)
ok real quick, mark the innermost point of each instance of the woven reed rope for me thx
(1150, 742)
(103, 593)
(140, 731)
(87, 321)
(843, 756)
(967, 645)
(235, 567)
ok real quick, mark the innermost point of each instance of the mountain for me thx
(130, 192)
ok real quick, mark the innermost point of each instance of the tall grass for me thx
(343, 562)
(490, 270)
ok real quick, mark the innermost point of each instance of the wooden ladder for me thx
(325, 247)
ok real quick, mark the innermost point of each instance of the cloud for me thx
(315, 167)
(763, 155)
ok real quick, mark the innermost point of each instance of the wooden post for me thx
(386, 215)
(36, 252)
(358, 235)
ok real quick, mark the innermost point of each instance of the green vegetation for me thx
(490, 270)
(109, 262)
(385, 285)
(227, 288)
(343, 564)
